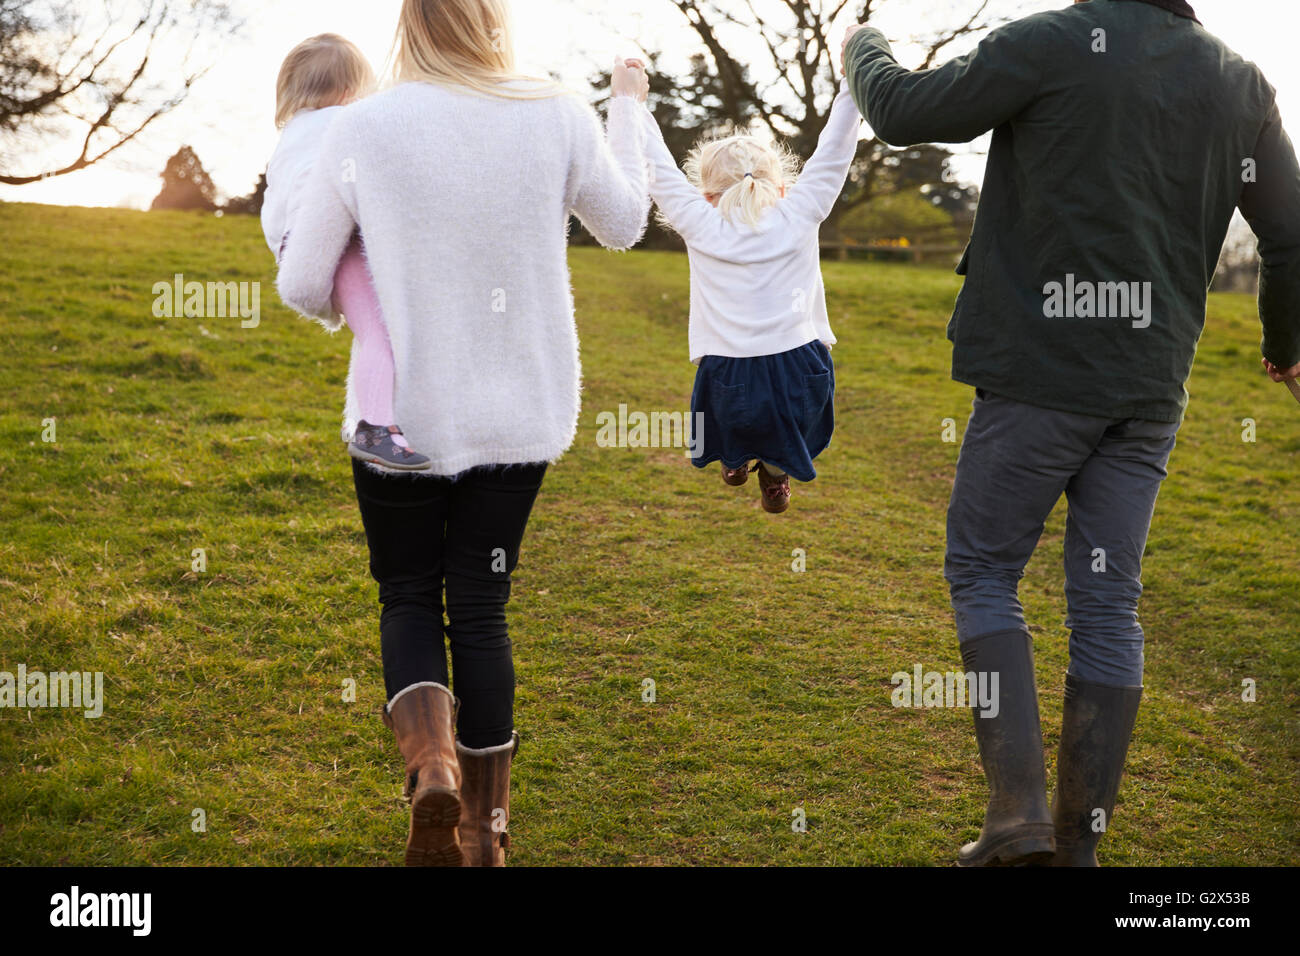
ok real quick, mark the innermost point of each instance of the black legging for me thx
(427, 533)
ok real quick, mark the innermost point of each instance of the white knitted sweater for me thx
(463, 202)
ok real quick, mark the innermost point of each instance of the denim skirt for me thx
(778, 409)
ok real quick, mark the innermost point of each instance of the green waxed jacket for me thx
(1124, 137)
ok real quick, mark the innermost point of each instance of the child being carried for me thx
(318, 78)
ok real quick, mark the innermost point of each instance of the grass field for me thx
(224, 690)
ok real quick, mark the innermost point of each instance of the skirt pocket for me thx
(730, 406)
(816, 394)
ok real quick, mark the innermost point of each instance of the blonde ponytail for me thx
(746, 174)
(745, 201)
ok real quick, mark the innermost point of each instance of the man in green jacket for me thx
(1124, 136)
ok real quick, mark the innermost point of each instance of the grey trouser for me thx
(1016, 462)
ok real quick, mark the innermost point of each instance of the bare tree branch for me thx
(803, 64)
(114, 98)
(975, 24)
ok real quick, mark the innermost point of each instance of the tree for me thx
(692, 106)
(122, 65)
(250, 205)
(686, 108)
(186, 184)
(19, 67)
(1238, 269)
(792, 96)
(898, 216)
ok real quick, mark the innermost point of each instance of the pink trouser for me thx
(373, 375)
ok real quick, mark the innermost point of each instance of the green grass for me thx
(224, 689)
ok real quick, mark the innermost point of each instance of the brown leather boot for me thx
(735, 477)
(423, 718)
(776, 490)
(485, 802)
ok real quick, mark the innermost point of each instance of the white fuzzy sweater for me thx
(463, 202)
(289, 172)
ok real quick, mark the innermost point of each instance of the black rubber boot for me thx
(1095, 733)
(1017, 825)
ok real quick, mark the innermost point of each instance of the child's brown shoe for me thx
(776, 491)
(736, 476)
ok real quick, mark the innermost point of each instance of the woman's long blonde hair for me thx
(463, 43)
(747, 174)
(326, 70)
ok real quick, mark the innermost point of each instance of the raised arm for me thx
(681, 203)
(953, 103)
(823, 176)
(609, 179)
(317, 243)
(1271, 204)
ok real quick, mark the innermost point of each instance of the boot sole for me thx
(434, 841)
(390, 465)
(1015, 849)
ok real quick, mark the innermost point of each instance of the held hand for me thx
(630, 79)
(1281, 375)
(844, 50)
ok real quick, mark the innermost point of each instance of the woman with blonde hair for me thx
(462, 178)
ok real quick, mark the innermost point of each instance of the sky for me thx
(228, 118)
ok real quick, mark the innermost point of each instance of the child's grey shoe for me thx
(374, 444)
